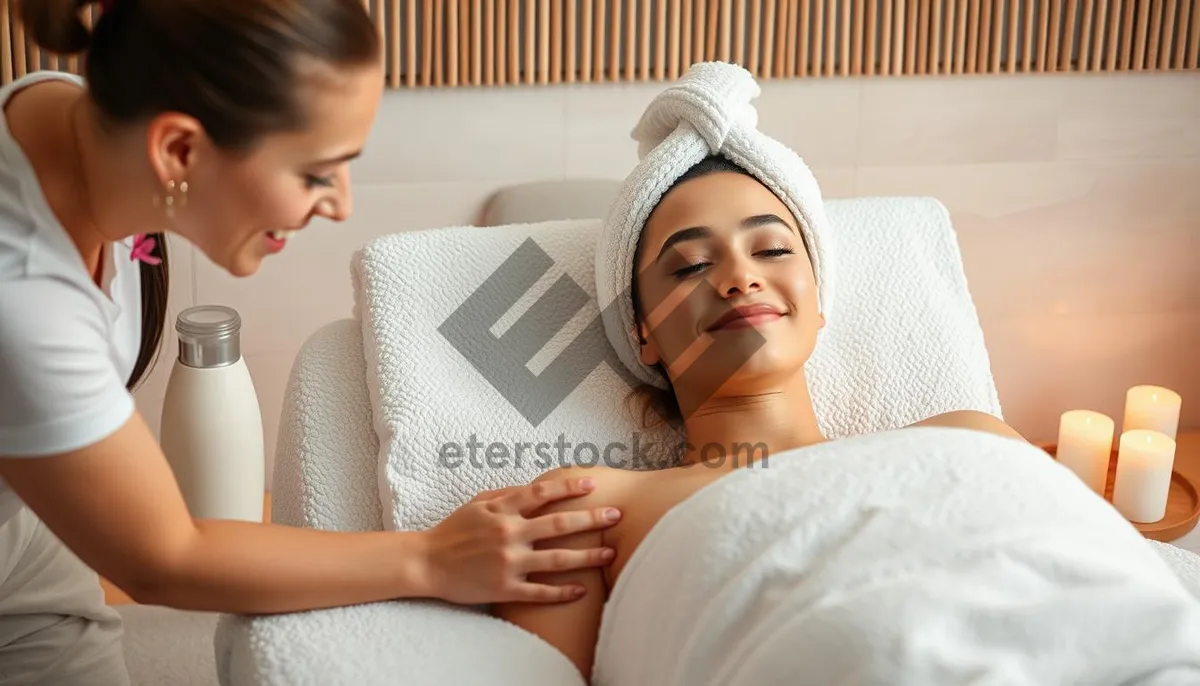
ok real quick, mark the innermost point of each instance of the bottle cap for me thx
(209, 336)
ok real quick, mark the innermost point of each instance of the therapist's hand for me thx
(483, 552)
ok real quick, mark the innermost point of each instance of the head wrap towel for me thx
(707, 111)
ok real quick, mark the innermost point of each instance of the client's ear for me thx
(650, 356)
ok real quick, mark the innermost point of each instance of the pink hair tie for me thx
(143, 245)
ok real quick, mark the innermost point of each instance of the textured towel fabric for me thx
(464, 396)
(708, 111)
(906, 558)
(1185, 562)
(905, 345)
(325, 479)
(324, 476)
(168, 647)
(410, 643)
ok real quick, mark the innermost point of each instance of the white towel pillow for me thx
(905, 344)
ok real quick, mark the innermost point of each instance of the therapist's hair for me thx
(238, 66)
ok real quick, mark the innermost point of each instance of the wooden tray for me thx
(1183, 504)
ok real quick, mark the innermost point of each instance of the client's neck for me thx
(730, 431)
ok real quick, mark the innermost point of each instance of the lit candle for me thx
(1085, 441)
(1152, 407)
(1144, 462)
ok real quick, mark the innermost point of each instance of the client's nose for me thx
(737, 278)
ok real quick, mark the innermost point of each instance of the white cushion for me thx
(167, 646)
(905, 344)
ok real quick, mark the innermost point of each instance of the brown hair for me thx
(661, 402)
(234, 65)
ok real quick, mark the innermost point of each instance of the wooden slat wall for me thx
(502, 42)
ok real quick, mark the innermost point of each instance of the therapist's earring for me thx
(171, 201)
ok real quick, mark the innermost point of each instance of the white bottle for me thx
(212, 432)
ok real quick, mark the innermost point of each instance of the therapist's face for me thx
(244, 206)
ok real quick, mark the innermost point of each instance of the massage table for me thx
(328, 472)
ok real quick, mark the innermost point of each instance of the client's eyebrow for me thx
(693, 233)
(337, 160)
(763, 220)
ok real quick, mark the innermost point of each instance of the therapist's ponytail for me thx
(155, 287)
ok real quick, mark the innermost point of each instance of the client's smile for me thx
(747, 315)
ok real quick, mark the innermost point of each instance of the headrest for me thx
(708, 111)
(487, 364)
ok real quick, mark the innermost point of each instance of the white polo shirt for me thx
(67, 346)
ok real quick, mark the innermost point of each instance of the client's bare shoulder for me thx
(643, 497)
(612, 487)
(971, 419)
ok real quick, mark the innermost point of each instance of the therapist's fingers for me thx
(571, 522)
(528, 499)
(566, 560)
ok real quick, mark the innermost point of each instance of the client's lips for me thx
(747, 315)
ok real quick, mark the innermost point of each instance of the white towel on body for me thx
(905, 558)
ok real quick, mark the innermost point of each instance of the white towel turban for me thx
(708, 111)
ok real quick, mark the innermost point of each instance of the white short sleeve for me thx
(59, 387)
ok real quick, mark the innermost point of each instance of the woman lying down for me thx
(949, 552)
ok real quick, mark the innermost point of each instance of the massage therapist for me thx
(229, 123)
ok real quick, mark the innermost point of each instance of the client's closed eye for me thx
(690, 269)
(313, 181)
(696, 267)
